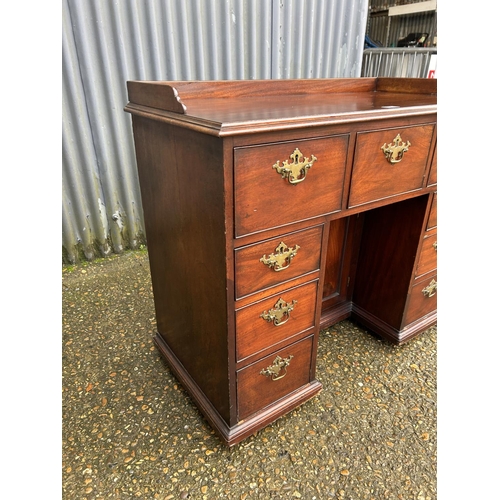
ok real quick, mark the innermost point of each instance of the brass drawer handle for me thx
(296, 171)
(435, 245)
(281, 312)
(278, 364)
(282, 259)
(394, 152)
(430, 289)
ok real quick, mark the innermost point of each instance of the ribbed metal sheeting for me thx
(425, 22)
(106, 43)
(386, 4)
(411, 62)
(387, 30)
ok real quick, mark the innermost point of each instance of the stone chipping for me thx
(130, 430)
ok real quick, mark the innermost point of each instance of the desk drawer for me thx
(255, 328)
(257, 387)
(268, 263)
(422, 301)
(427, 261)
(277, 184)
(374, 177)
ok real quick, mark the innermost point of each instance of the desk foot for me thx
(387, 331)
(232, 435)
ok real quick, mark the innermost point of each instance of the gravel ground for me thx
(131, 431)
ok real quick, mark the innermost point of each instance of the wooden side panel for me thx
(335, 254)
(182, 186)
(340, 269)
(432, 181)
(432, 222)
(389, 245)
(156, 95)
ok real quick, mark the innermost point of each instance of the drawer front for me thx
(422, 301)
(427, 261)
(277, 184)
(432, 222)
(270, 262)
(264, 323)
(374, 177)
(268, 380)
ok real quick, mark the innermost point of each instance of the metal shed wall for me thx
(387, 30)
(106, 43)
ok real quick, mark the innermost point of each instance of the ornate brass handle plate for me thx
(430, 289)
(281, 312)
(274, 370)
(282, 258)
(394, 151)
(296, 171)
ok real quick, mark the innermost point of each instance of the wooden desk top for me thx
(235, 107)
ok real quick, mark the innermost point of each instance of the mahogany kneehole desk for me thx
(275, 208)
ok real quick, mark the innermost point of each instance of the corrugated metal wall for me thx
(388, 30)
(106, 43)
